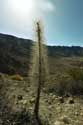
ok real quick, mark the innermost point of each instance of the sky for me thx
(62, 20)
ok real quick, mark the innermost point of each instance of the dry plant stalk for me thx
(36, 109)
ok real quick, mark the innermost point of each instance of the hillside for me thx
(61, 101)
(15, 54)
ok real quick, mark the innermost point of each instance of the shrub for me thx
(17, 77)
(67, 86)
(76, 74)
(59, 87)
(64, 86)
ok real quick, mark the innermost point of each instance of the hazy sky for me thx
(62, 19)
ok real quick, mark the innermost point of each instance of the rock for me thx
(61, 99)
(50, 107)
(54, 97)
(59, 109)
(14, 123)
(59, 123)
(44, 89)
(71, 100)
(49, 102)
(20, 97)
(67, 95)
(24, 102)
(64, 119)
(32, 100)
(81, 114)
(46, 100)
(26, 89)
(30, 108)
(77, 113)
(51, 94)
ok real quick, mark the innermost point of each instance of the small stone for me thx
(81, 114)
(20, 97)
(51, 94)
(59, 123)
(46, 100)
(24, 102)
(44, 89)
(14, 123)
(49, 102)
(71, 100)
(50, 107)
(61, 99)
(64, 119)
(54, 97)
(26, 90)
(30, 108)
(67, 95)
(32, 100)
(76, 113)
(58, 109)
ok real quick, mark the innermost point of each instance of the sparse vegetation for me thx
(62, 93)
(76, 74)
(67, 85)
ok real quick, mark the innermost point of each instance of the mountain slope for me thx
(15, 54)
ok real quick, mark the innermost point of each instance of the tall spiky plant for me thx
(39, 39)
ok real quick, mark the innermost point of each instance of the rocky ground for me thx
(17, 100)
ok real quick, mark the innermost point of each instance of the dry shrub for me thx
(67, 86)
(76, 74)
(17, 77)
